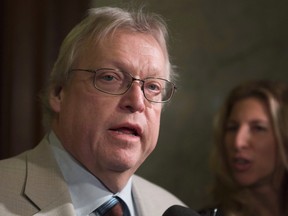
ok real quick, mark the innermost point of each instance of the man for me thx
(102, 108)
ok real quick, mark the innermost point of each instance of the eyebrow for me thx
(254, 121)
(152, 72)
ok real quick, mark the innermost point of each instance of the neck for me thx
(266, 201)
(114, 181)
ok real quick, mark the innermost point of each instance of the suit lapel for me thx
(45, 186)
(142, 207)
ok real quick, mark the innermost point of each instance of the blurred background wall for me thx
(215, 45)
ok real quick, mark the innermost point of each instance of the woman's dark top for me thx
(210, 212)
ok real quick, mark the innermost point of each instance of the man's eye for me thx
(153, 87)
(108, 77)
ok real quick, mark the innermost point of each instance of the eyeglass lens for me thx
(116, 82)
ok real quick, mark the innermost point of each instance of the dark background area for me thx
(215, 44)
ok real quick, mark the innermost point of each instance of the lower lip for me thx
(124, 136)
(241, 167)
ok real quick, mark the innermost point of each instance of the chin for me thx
(245, 182)
(122, 165)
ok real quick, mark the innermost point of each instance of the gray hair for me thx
(97, 25)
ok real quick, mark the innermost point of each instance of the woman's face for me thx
(250, 143)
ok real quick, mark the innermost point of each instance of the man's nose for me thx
(134, 99)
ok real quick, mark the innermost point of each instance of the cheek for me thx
(83, 112)
(227, 143)
(227, 149)
(270, 152)
(154, 126)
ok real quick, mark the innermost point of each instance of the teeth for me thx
(128, 131)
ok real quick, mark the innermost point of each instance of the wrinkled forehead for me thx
(98, 43)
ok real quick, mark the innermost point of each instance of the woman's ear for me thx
(55, 99)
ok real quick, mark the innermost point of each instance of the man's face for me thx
(111, 133)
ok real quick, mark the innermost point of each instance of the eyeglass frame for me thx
(173, 88)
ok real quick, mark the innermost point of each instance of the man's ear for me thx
(55, 99)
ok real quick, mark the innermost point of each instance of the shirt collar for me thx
(87, 192)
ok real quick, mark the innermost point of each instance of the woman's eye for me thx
(231, 128)
(259, 128)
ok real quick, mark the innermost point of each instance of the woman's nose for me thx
(241, 138)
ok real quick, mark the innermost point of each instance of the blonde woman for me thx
(250, 157)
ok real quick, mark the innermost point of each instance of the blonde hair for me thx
(232, 199)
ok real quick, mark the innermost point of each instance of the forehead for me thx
(250, 107)
(126, 50)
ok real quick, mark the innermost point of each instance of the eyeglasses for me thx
(116, 82)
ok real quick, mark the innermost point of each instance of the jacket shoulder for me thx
(12, 185)
(12, 169)
(152, 199)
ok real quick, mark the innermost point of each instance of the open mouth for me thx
(127, 131)
(241, 161)
(241, 164)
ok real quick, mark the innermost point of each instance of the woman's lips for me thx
(241, 164)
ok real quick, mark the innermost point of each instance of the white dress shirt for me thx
(87, 192)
